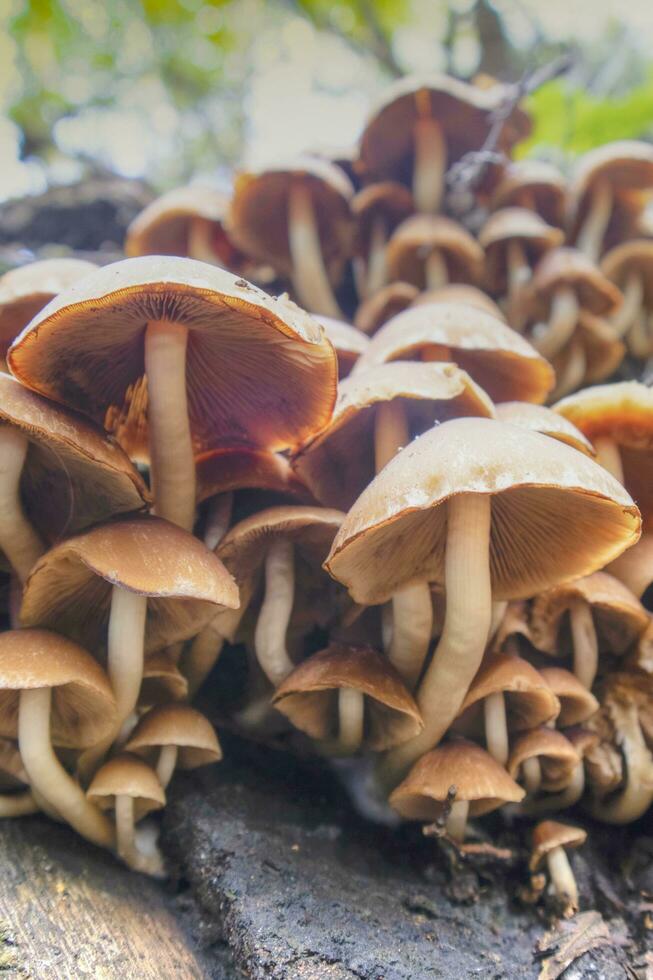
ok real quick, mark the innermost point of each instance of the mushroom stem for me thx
(47, 775)
(639, 336)
(200, 241)
(172, 465)
(18, 539)
(150, 864)
(17, 804)
(218, 519)
(351, 716)
(563, 317)
(608, 455)
(309, 275)
(633, 295)
(498, 612)
(562, 877)
(468, 613)
(532, 775)
(430, 164)
(391, 432)
(496, 727)
(435, 270)
(200, 659)
(592, 232)
(457, 820)
(585, 642)
(377, 270)
(519, 273)
(273, 619)
(166, 764)
(553, 802)
(570, 376)
(637, 796)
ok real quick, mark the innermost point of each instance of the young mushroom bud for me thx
(550, 842)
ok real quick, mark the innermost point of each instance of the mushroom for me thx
(377, 210)
(129, 587)
(635, 569)
(349, 697)
(174, 736)
(458, 771)
(16, 798)
(533, 184)
(544, 760)
(538, 418)
(58, 474)
(592, 355)
(605, 177)
(550, 839)
(460, 293)
(506, 695)
(348, 342)
(583, 741)
(514, 241)
(593, 615)
(297, 218)
(126, 785)
(630, 266)
(54, 693)
(431, 251)
(381, 306)
(577, 704)
(496, 357)
(201, 338)
(162, 682)
(447, 509)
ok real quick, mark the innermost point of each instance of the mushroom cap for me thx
(537, 180)
(627, 165)
(308, 696)
(348, 342)
(497, 358)
(577, 704)
(538, 418)
(74, 475)
(83, 706)
(257, 368)
(127, 775)
(476, 776)
(385, 303)
(460, 292)
(570, 268)
(338, 463)
(549, 500)
(514, 225)
(386, 200)
(162, 681)
(556, 754)
(619, 617)
(462, 110)
(549, 834)
(635, 567)
(529, 700)
(181, 726)
(27, 289)
(416, 237)
(634, 257)
(69, 588)
(231, 468)
(258, 216)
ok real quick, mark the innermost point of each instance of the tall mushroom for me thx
(432, 251)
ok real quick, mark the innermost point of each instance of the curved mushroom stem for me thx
(640, 336)
(172, 463)
(200, 241)
(563, 317)
(553, 802)
(17, 804)
(571, 375)
(149, 864)
(430, 164)
(377, 269)
(608, 455)
(351, 717)
(309, 275)
(18, 539)
(633, 295)
(166, 764)
(436, 273)
(457, 820)
(498, 612)
(532, 775)
(519, 274)
(562, 878)
(218, 519)
(200, 659)
(586, 644)
(47, 775)
(634, 800)
(591, 235)
(459, 652)
(273, 619)
(496, 727)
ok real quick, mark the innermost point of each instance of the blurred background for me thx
(167, 90)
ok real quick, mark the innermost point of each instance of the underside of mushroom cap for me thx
(627, 165)
(577, 704)
(420, 234)
(555, 753)
(231, 468)
(567, 267)
(541, 181)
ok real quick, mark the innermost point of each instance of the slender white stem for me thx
(562, 877)
(519, 274)
(351, 717)
(498, 612)
(496, 727)
(571, 375)
(127, 848)
(309, 275)
(17, 804)
(586, 644)
(218, 519)
(47, 775)
(200, 659)
(633, 296)
(591, 235)
(273, 619)
(563, 317)
(200, 241)
(640, 336)
(608, 455)
(166, 764)
(391, 432)
(436, 273)
(430, 165)
(18, 539)
(532, 774)
(457, 820)
(172, 463)
(377, 269)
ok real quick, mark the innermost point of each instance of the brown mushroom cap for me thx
(529, 700)
(549, 500)
(69, 588)
(86, 349)
(339, 462)
(628, 258)
(83, 707)
(308, 697)
(473, 772)
(181, 726)
(627, 165)
(258, 216)
(635, 567)
(527, 228)
(162, 681)
(533, 180)
(349, 342)
(26, 290)
(549, 834)
(385, 303)
(556, 754)
(459, 292)
(572, 269)
(496, 357)
(577, 704)
(127, 775)
(417, 236)
(537, 418)
(386, 200)
(232, 468)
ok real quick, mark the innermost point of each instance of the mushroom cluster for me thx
(363, 519)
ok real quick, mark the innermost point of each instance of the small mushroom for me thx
(593, 354)
(630, 266)
(538, 418)
(460, 293)
(533, 184)
(544, 760)
(348, 342)
(431, 251)
(377, 210)
(583, 741)
(577, 704)
(550, 840)
(383, 305)
(174, 736)
(126, 785)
